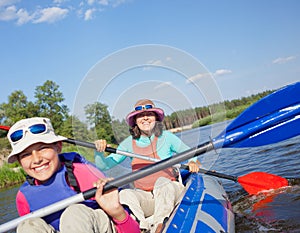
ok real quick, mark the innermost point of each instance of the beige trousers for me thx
(157, 204)
(76, 218)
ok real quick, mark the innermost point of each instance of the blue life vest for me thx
(55, 189)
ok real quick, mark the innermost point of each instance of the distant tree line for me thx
(49, 103)
(213, 113)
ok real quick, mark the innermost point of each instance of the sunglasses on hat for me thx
(34, 129)
(142, 107)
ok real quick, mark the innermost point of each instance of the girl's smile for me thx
(40, 160)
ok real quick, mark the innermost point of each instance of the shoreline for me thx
(179, 129)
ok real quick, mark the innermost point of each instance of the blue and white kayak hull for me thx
(204, 207)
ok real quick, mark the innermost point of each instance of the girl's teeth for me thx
(40, 168)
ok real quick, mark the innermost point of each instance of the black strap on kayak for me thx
(71, 177)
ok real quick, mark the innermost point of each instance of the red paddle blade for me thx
(256, 182)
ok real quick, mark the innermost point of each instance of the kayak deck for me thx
(204, 207)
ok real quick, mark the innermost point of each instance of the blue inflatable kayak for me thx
(204, 207)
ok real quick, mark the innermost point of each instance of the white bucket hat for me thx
(29, 131)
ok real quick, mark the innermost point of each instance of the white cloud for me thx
(57, 10)
(222, 72)
(50, 15)
(23, 17)
(90, 2)
(159, 62)
(8, 2)
(196, 77)
(117, 3)
(104, 2)
(204, 75)
(155, 62)
(8, 13)
(168, 58)
(88, 15)
(162, 85)
(59, 1)
(283, 60)
(100, 2)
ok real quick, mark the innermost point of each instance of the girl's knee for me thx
(76, 212)
(163, 183)
(125, 195)
(34, 225)
(75, 208)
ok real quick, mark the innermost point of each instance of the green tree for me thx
(74, 128)
(50, 103)
(98, 117)
(17, 108)
(120, 129)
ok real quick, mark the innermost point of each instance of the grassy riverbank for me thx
(11, 174)
(220, 117)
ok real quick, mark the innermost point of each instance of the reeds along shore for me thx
(10, 175)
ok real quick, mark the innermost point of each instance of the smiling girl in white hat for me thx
(53, 176)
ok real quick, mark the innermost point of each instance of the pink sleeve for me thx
(86, 175)
(128, 225)
(22, 204)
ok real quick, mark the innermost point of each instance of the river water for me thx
(275, 211)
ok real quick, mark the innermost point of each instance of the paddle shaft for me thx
(109, 149)
(182, 166)
(213, 173)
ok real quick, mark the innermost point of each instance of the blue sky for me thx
(117, 51)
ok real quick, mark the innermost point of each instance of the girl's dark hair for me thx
(157, 130)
